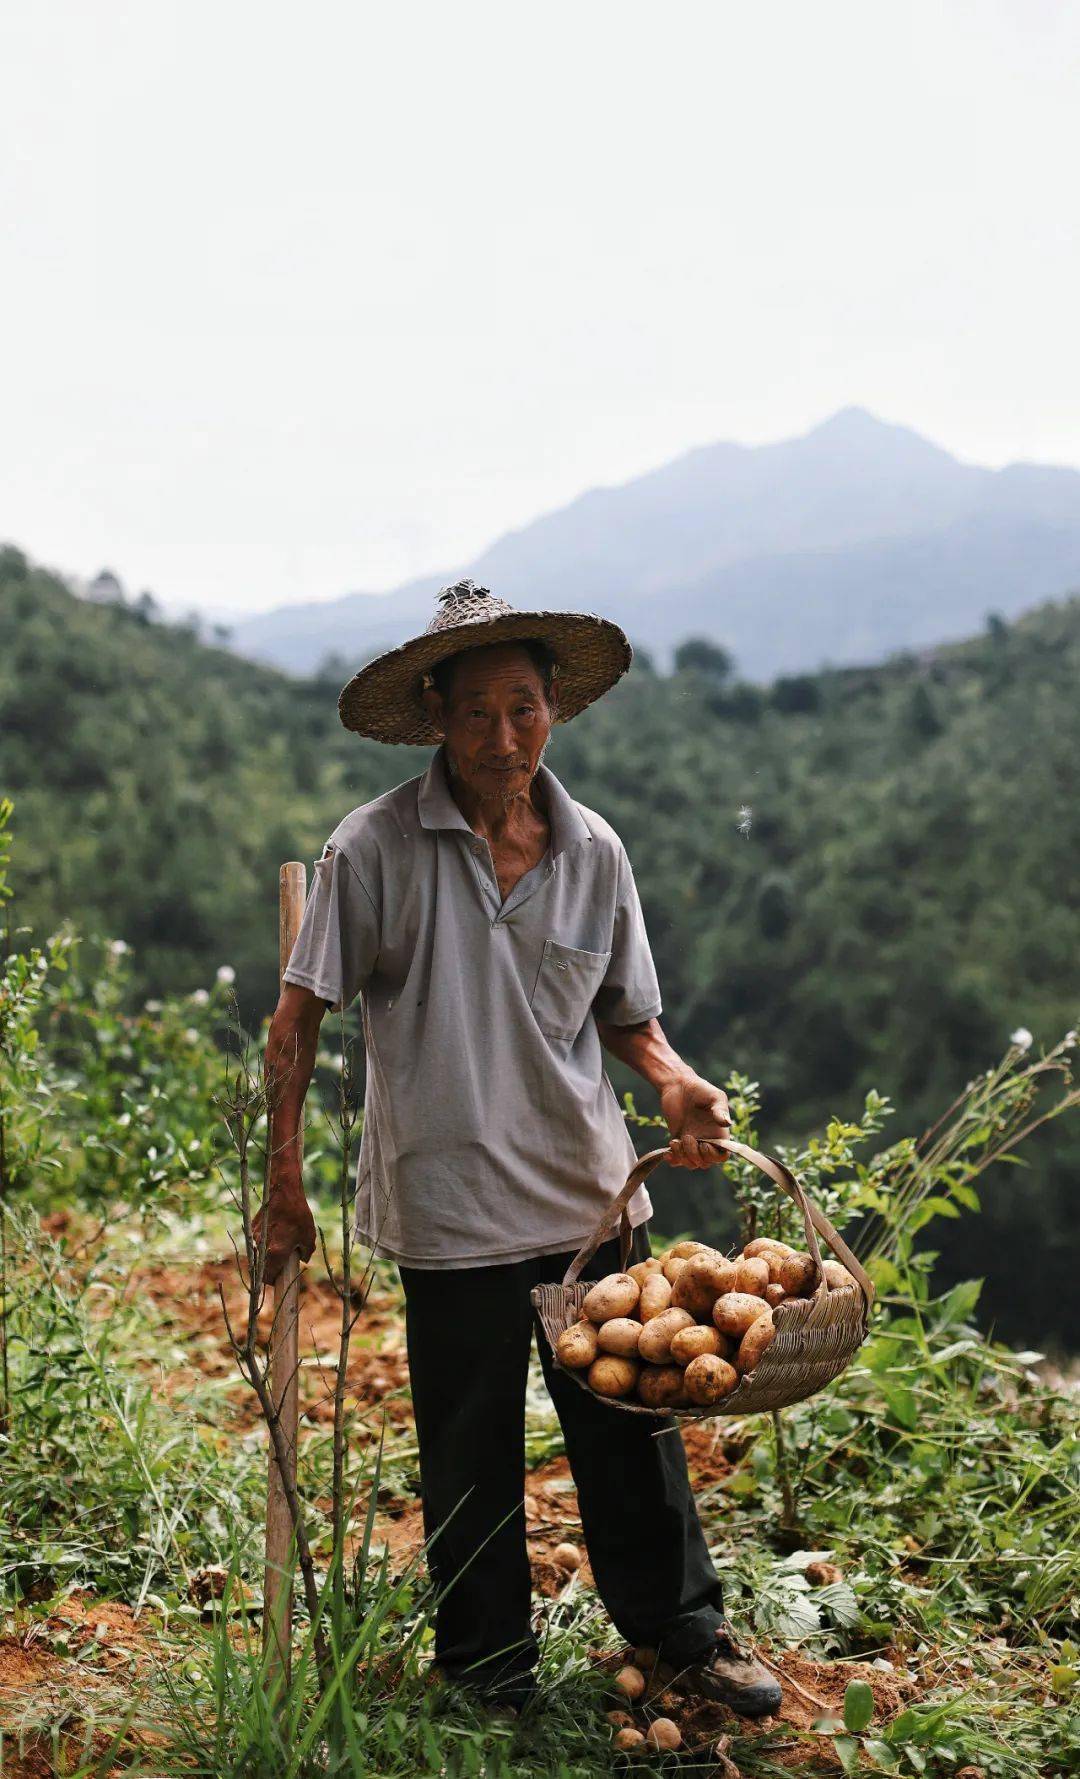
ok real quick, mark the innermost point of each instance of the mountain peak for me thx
(852, 431)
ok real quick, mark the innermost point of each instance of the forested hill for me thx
(905, 896)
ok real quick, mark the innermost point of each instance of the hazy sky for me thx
(302, 299)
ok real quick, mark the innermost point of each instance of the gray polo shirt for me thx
(491, 1131)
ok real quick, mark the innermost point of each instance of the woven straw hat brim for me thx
(383, 701)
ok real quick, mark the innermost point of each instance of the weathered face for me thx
(495, 721)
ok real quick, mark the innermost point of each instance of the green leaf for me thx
(903, 1404)
(885, 1275)
(882, 1756)
(858, 1706)
(951, 1352)
(1063, 1679)
(847, 1752)
(960, 1302)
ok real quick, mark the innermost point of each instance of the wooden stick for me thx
(284, 1364)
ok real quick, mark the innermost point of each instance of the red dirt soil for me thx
(187, 1300)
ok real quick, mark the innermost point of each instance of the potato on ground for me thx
(663, 1734)
(617, 1295)
(751, 1276)
(630, 1682)
(796, 1273)
(707, 1379)
(837, 1277)
(642, 1270)
(691, 1343)
(626, 1740)
(577, 1347)
(620, 1336)
(655, 1297)
(661, 1386)
(683, 1250)
(734, 1312)
(753, 1343)
(654, 1343)
(611, 1376)
(673, 1266)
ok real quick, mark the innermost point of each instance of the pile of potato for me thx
(680, 1331)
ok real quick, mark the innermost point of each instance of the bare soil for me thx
(107, 1647)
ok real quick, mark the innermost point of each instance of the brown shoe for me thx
(734, 1679)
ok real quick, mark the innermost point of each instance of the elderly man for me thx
(492, 927)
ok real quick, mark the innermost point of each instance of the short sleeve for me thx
(338, 942)
(629, 992)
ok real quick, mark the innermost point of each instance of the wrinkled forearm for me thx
(291, 1045)
(645, 1049)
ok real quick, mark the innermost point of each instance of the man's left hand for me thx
(694, 1110)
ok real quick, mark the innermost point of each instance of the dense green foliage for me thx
(940, 1474)
(860, 877)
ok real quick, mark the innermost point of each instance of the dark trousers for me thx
(469, 1334)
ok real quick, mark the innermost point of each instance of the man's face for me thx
(495, 721)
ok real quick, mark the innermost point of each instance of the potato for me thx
(673, 1266)
(823, 1575)
(706, 1276)
(566, 1556)
(683, 1250)
(690, 1293)
(708, 1378)
(576, 1346)
(642, 1270)
(660, 1386)
(645, 1658)
(655, 1297)
(775, 1260)
(837, 1277)
(795, 1273)
(774, 1294)
(612, 1376)
(690, 1343)
(655, 1342)
(734, 1312)
(663, 1734)
(627, 1739)
(620, 1720)
(620, 1336)
(754, 1341)
(630, 1682)
(713, 1270)
(752, 1276)
(761, 1245)
(617, 1295)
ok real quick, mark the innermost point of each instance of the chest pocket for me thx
(565, 985)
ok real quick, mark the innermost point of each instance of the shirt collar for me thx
(437, 808)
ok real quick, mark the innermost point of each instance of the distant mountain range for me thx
(856, 540)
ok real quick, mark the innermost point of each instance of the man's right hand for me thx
(290, 1225)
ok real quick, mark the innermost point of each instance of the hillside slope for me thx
(907, 894)
(858, 538)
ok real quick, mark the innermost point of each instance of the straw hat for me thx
(384, 700)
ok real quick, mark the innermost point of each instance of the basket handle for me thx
(815, 1222)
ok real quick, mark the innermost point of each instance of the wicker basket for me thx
(815, 1336)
